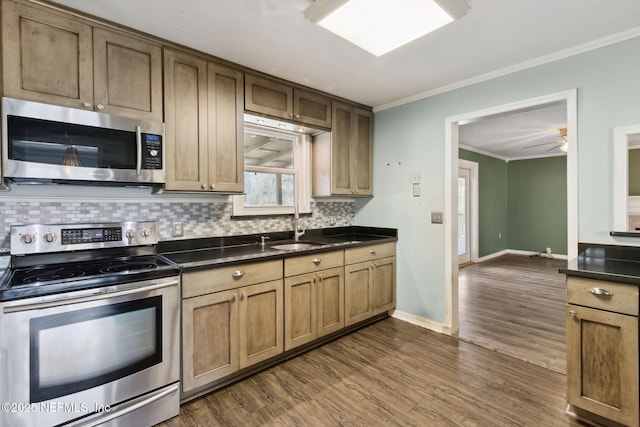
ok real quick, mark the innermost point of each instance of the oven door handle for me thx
(127, 409)
(95, 295)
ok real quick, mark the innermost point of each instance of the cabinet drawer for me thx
(593, 293)
(365, 253)
(312, 263)
(223, 278)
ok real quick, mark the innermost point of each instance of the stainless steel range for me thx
(89, 327)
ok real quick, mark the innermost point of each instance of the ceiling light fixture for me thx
(380, 26)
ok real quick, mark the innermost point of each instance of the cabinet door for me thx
(300, 303)
(47, 57)
(268, 97)
(185, 91)
(362, 156)
(341, 149)
(127, 76)
(602, 363)
(225, 128)
(330, 307)
(261, 314)
(311, 108)
(209, 338)
(357, 303)
(383, 285)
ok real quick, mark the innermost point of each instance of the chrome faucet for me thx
(298, 229)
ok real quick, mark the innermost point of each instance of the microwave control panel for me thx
(152, 151)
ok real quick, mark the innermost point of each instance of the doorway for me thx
(451, 184)
(467, 213)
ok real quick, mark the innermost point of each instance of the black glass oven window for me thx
(78, 350)
(54, 143)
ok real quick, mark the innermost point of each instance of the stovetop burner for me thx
(33, 281)
(54, 258)
(73, 271)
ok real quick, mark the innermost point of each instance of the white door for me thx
(464, 216)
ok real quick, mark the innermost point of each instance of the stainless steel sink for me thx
(295, 246)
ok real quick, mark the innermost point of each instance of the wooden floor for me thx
(389, 373)
(515, 304)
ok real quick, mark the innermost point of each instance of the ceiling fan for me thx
(561, 144)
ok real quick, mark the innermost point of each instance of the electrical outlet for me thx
(178, 231)
(436, 218)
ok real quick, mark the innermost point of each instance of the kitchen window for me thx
(277, 172)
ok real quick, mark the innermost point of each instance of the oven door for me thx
(74, 355)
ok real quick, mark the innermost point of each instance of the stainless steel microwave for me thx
(42, 142)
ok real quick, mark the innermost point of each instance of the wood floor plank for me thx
(515, 304)
(389, 373)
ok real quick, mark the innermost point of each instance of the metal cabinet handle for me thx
(372, 251)
(600, 291)
(237, 274)
(572, 313)
(203, 187)
(316, 261)
(243, 296)
(86, 104)
(100, 107)
(234, 297)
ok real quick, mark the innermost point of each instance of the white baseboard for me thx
(422, 322)
(518, 252)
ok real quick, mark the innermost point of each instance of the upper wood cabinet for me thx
(55, 58)
(343, 158)
(277, 99)
(204, 125)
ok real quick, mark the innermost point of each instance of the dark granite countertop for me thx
(216, 251)
(606, 262)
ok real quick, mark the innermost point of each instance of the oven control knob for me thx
(145, 232)
(49, 237)
(27, 238)
(131, 233)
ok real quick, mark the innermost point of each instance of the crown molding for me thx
(546, 59)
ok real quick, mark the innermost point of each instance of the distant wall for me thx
(537, 204)
(492, 202)
(522, 203)
(634, 172)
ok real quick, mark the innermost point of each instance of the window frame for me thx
(301, 171)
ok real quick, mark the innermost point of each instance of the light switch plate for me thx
(436, 218)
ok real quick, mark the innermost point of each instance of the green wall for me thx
(537, 204)
(634, 172)
(523, 200)
(492, 202)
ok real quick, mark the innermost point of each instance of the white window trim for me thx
(302, 173)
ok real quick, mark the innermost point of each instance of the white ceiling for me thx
(522, 134)
(272, 36)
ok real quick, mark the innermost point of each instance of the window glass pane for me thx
(269, 177)
(268, 149)
(269, 189)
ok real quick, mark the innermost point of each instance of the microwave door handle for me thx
(139, 150)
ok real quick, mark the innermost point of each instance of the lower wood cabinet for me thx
(370, 281)
(229, 329)
(602, 351)
(236, 316)
(314, 301)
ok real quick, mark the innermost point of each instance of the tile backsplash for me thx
(199, 218)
